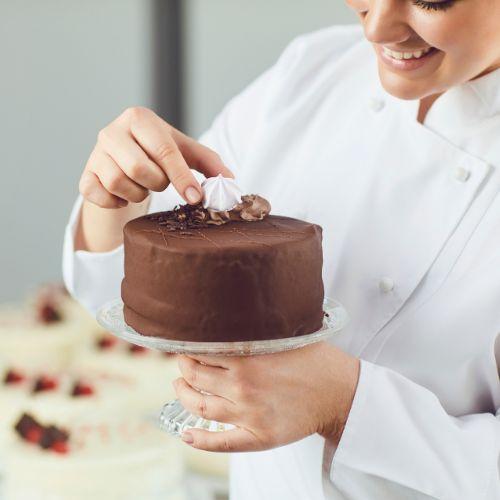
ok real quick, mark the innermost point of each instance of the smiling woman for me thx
(405, 402)
(446, 32)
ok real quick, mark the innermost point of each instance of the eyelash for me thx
(444, 5)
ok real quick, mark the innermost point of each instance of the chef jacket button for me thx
(376, 104)
(386, 284)
(461, 174)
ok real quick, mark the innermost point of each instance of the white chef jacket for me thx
(411, 219)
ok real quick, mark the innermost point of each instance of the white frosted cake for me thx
(152, 372)
(61, 396)
(95, 457)
(44, 332)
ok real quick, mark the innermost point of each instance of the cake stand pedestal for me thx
(173, 417)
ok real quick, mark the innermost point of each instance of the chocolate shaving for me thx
(182, 218)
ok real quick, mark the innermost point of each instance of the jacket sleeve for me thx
(400, 443)
(94, 278)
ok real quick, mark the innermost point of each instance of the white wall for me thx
(67, 68)
(227, 43)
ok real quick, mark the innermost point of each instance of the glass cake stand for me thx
(173, 417)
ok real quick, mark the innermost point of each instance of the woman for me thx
(387, 136)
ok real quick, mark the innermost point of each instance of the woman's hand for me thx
(139, 152)
(135, 154)
(272, 399)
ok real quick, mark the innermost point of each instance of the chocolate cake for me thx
(189, 276)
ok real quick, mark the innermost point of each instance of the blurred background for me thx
(68, 67)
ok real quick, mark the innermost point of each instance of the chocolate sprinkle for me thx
(182, 218)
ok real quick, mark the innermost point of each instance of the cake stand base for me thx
(174, 419)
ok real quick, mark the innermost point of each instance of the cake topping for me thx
(60, 446)
(182, 218)
(47, 313)
(106, 342)
(47, 437)
(136, 349)
(48, 304)
(13, 377)
(220, 193)
(28, 428)
(54, 438)
(252, 208)
(185, 217)
(45, 383)
(82, 389)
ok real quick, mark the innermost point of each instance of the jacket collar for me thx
(466, 105)
(459, 108)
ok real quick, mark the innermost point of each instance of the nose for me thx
(385, 21)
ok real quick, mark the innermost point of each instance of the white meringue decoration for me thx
(220, 193)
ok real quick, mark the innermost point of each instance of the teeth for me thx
(406, 55)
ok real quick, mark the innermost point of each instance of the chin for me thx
(402, 88)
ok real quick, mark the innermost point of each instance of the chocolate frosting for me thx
(252, 207)
(188, 278)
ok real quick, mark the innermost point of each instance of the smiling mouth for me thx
(417, 54)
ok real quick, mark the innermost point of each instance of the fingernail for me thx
(187, 438)
(192, 195)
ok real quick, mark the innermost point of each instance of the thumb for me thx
(233, 440)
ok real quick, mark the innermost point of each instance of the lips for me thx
(399, 55)
(408, 60)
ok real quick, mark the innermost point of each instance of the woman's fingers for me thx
(93, 191)
(199, 157)
(119, 144)
(219, 361)
(211, 379)
(114, 180)
(139, 152)
(204, 405)
(227, 441)
(154, 136)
